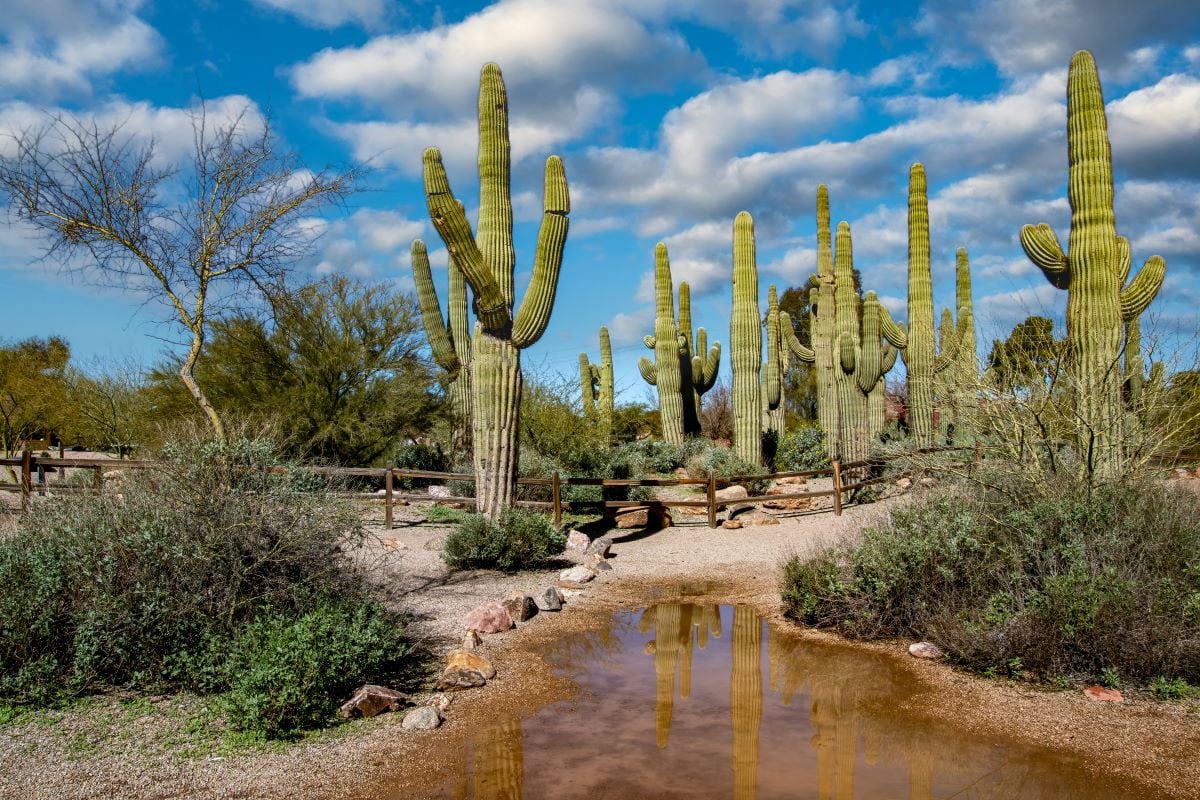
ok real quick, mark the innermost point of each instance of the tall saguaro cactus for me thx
(1092, 271)
(701, 361)
(919, 357)
(822, 304)
(782, 344)
(670, 352)
(745, 344)
(487, 259)
(597, 382)
(449, 339)
(966, 405)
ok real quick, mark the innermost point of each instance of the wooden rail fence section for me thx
(32, 467)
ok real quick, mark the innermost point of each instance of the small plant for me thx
(725, 463)
(1110, 677)
(1174, 689)
(801, 450)
(445, 515)
(520, 540)
(422, 457)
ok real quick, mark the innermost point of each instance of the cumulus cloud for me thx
(1154, 130)
(331, 13)
(626, 329)
(370, 243)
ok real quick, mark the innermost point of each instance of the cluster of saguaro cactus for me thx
(487, 259)
(1093, 271)
(449, 339)
(745, 344)
(596, 380)
(920, 357)
(680, 376)
(782, 344)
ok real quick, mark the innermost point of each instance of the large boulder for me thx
(579, 574)
(655, 517)
(599, 547)
(789, 503)
(577, 543)
(491, 617)
(454, 679)
(731, 493)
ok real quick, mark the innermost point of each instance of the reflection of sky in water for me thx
(692, 701)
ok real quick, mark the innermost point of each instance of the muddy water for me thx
(705, 701)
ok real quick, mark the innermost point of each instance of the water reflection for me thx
(806, 720)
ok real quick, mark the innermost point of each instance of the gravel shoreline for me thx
(142, 749)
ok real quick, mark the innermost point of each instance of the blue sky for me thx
(670, 117)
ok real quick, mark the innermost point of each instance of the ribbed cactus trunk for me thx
(449, 339)
(666, 373)
(945, 385)
(967, 362)
(822, 303)
(852, 404)
(776, 367)
(1093, 271)
(746, 700)
(745, 344)
(487, 260)
(920, 354)
(596, 383)
(702, 361)
(877, 397)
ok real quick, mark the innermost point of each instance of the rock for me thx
(580, 574)
(381, 492)
(550, 600)
(422, 718)
(569, 592)
(1102, 695)
(441, 492)
(749, 515)
(441, 701)
(732, 493)
(633, 518)
(490, 617)
(370, 700)
(392, 544)
(790, 503)
(598, 565)
(763, 518)
(520, 606)
(577, 542)
(456, 679)
(471, 640)
(904, 483)
(925, 650)
(795, 480)
(465, 659)
(731, 524)
(928, 481)
(599, 547)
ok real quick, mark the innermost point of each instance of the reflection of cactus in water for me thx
(836, 740)
(498, 762)
(672, 651)
(746, 700)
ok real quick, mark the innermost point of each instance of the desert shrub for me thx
(147, 590)
(419, 457)
(801, 450)
(725, 464)
(445, 514)
(522, 539)
(1055, 578)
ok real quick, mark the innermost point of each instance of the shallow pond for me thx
(703, 701)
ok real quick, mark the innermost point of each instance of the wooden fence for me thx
(33, 469)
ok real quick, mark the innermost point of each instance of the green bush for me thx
(522, 539)
(1063, 580)
(147, 590)
(725, 464)
(801, 450)
(424, 457)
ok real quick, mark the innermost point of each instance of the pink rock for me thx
(371, 700)
(925, 650)
(577, 542)
(1102, 695)
(491, 617)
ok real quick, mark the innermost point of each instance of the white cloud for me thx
(1154, 130)
(331, 13)
(370, 242)
(626, 329)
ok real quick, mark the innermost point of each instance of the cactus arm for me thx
(797, 348)
(1143, 288)
(431, 312)
(1041, 245)
(586, 384)
(870, 354)
(605, 378)
(774, 367)
(650, 341)
(460, 330)
(648, 370)
(889, 358)
(451, 224)
(1124, 259)
(950, 342)
(495, 197)
(705, 365)
(685, 317)
(896, 335)
(530, 322)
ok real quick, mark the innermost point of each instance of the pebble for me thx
(925, 650)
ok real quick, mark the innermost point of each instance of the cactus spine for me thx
(450, 339)
(487, 260)
(745, 344)
(700, 361)
(1093, 271)
(919, 357)
(597, 383)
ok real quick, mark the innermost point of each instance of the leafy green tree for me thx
(1029, 358)
(338, 371)
(33, 389)
(111, 405)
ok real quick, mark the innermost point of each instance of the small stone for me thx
(577, 542)
(925, 650)
(549, 600)
(422, 718)
(928, 481)
(569, 592)
(789, 503)
(795, 480)
(763, 518)
(520, 606)
(732, 493)
(471, 640)
(599, 547)
(370, 700)
(904, 483)
(465, 659)
(392, 544)
(490, 617)
(457, 678)
(731, 524)
(580, 574)
(381, 492)
(441, 701)
(1102, 694)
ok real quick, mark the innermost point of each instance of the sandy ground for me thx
(82, 754)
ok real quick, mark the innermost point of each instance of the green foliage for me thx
(1070, 580)
(154, 588)
(418, 456)
(1029, 357)
(1174, 689)
(725, 463)
(801, 449)
(520, 540)
(445, 514)
(33, 389)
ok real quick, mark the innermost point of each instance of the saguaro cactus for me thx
(670, 351)
(919, 357)
(745, 344)
(945, 385)
(966, 405)
(487, 260)
(701, 360)
(1093, 271)
(821, 303)
(597, 382)
(449, 339)
(781, 345)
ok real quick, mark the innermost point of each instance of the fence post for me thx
(387, 497)
(978, 454)
(26, 478)
(712, 499)
(556, 492)
(837, 488)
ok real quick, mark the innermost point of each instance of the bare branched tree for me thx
(195, 236)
